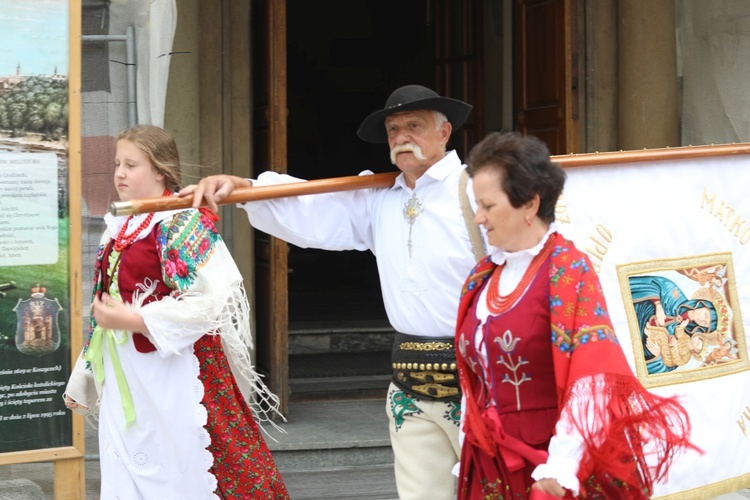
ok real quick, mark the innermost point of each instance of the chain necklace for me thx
(412, 209)
(497, 303)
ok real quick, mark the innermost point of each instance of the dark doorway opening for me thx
(337, 73)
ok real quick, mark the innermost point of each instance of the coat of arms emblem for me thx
(37, 332)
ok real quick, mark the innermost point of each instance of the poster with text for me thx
(34, 226)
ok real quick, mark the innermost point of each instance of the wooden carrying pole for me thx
(145, 205)
(242, 195)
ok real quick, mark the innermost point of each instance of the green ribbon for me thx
(95, 356)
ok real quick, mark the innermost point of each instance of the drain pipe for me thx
(130, 66)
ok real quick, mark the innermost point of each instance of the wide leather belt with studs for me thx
(425, 367)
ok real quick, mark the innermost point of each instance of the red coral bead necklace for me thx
(123, 241)
(497, 303)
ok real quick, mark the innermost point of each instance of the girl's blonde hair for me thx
(160, 147)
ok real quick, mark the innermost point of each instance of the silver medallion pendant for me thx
(412, 209)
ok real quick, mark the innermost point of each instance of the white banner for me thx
(670, 240)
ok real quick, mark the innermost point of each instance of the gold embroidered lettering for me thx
(601, 242)
(561, 211)
(604, 233)
(729, 214)
(735, 222)
(741, 422)
(707, 199)
(718, 211)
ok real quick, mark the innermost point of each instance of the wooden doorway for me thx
(459, 62)
(329, 77)
(546, 72)
(315, 79)
(269, 70)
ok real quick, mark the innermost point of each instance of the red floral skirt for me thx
(243, 465)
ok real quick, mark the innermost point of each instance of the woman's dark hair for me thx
(524, 168)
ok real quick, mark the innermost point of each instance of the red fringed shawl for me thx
(627, 424)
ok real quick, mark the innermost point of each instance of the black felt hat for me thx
(409, 98)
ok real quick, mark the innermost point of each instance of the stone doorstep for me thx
(374, 482)
(330, 459)
(330, 434)
(338, 384)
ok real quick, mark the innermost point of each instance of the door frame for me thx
(228, 144)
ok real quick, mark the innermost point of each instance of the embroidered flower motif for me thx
(507, 342)
(204, 246)
(187, 243)
(566, 348)
(553, 270)
(208, 223)
(607, 334)
(476, 278)
(560, 249)
(599, 310)
(561, 338)
(402, 405)
(453, 413)
(176, 267)
(580, 263)
(462, 344)
(555, 273)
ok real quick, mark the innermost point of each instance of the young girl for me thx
(169, 314)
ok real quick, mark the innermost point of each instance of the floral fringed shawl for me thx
(630, 436)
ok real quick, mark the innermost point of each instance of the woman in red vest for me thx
(551, 406)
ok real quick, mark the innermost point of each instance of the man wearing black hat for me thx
(425, 242)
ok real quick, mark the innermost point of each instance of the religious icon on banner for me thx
(684, 318)
(37, 331)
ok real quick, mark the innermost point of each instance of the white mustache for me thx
(407, 148)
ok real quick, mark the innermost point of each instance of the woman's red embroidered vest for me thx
(521, 372)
